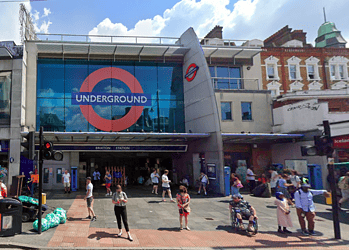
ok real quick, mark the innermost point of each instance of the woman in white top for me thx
(203, 182)
(119, 200)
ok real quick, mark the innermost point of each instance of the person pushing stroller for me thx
(242, 210)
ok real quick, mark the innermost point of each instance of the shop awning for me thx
(230, 52)
(259, 137)
(111, 49)
(109, 138)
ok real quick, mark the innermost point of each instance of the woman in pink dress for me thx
(283, 213)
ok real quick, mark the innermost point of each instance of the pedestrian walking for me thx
(96, 177)
(203, 179)
(155, 180)
(108, 181)
(119, 200)
(183, 200)
(343, 184)
(283, 213)
(35, 182)
(235, 185)
(89, 199)
(305, 207)
(274, 177)
(296, 183)
(282, 186)
(166, 186)
(251, 179)
(66, 181)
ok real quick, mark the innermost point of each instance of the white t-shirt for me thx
(89, 187)
(204, 179)
(154, 178)
(295, 180)
(3, 187)
(250, 172)
(273, 179)
(66, 177)
(165, 178)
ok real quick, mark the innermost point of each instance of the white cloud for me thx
(36, 15)
(248, 19)
(43, 27)
(9, 20)
(46, 12)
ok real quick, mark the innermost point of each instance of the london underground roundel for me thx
(86, 98)
(191, 72)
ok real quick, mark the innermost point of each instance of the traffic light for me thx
(323, 145)
(308, 150)
(50, 154)
(29, 145)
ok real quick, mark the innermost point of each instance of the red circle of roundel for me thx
(104, 124)
(189, 79)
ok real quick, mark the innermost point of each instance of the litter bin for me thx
(10, 217)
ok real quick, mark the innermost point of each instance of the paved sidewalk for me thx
(154, 225)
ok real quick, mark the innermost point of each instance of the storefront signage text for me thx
(308, 105)
(127, 99)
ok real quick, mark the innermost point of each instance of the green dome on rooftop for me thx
(329, 37)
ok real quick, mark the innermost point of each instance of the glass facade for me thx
(226, 77)
(5, 98)
(59, 83)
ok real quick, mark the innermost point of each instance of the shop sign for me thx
(341, 142)
(191, 72)
(86, 99)
(126, 148)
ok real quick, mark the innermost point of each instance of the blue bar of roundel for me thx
(106, 99)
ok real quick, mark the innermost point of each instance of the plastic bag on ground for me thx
(59, 210)
(53, 220)
(44, 225)
(62, 214)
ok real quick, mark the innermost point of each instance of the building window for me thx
(246, 111)
(5, 97)
(271, 68)
(312, 68)
(226, 77)
(293, 72)
(274, 87)
(271, 71)
(311, 72)
(333, 72)
(226, 111)
(341, 71)
(338, 68)
(293, 68)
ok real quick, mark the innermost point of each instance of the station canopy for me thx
(259, 137)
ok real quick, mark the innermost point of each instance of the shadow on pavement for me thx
(102, 234)
(225, 228)
(343, 216)
(170, 229)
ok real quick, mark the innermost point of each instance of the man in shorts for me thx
(154, 179)
(166, 186)
(66, 181)
(246, 211)
(89, 199)
(108, 181)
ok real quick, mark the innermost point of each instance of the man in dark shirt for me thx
(242, 209)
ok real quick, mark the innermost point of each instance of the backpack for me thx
(343, 183)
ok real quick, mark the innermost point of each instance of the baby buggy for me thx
(237, 226)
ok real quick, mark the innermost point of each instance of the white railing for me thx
(107, 39)
(235, 83)
(216, 42)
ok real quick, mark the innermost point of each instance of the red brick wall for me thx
(334, 105)
(283, 54)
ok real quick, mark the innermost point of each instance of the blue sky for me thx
(241, 19)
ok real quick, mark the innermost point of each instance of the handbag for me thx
(186, 208)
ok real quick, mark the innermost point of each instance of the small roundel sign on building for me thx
(191, 72)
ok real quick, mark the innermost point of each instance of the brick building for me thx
(289, 64)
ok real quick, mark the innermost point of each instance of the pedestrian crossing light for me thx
(50, 154)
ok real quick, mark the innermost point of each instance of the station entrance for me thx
(132, 165)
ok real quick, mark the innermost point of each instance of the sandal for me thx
(187, 228)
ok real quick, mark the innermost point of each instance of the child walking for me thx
(283, 213)
(183, 200)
